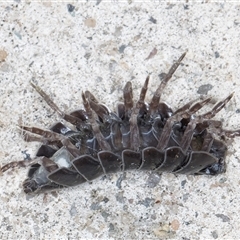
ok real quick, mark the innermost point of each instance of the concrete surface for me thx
(99, 45)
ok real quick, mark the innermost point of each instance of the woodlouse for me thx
(137, 136)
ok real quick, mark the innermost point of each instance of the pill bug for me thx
(137, 136)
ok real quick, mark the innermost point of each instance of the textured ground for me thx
(67, 48)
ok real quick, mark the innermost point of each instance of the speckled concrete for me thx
(99, 46)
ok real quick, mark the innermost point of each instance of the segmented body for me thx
(137, 136)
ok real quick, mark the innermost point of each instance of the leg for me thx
(185, 107)
(69, 118)
(104, 145)
(143, 93)
(99, 109)
(19, 164)
(166, 133)
(189, 131)
(32, 137)
(46, 134)
(128, 99)
(134, 130)
(217, 108)
(43, 160)
(157, 95)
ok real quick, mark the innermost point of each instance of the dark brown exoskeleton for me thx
(138, 136)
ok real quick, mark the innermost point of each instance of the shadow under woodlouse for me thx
(137, 136)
